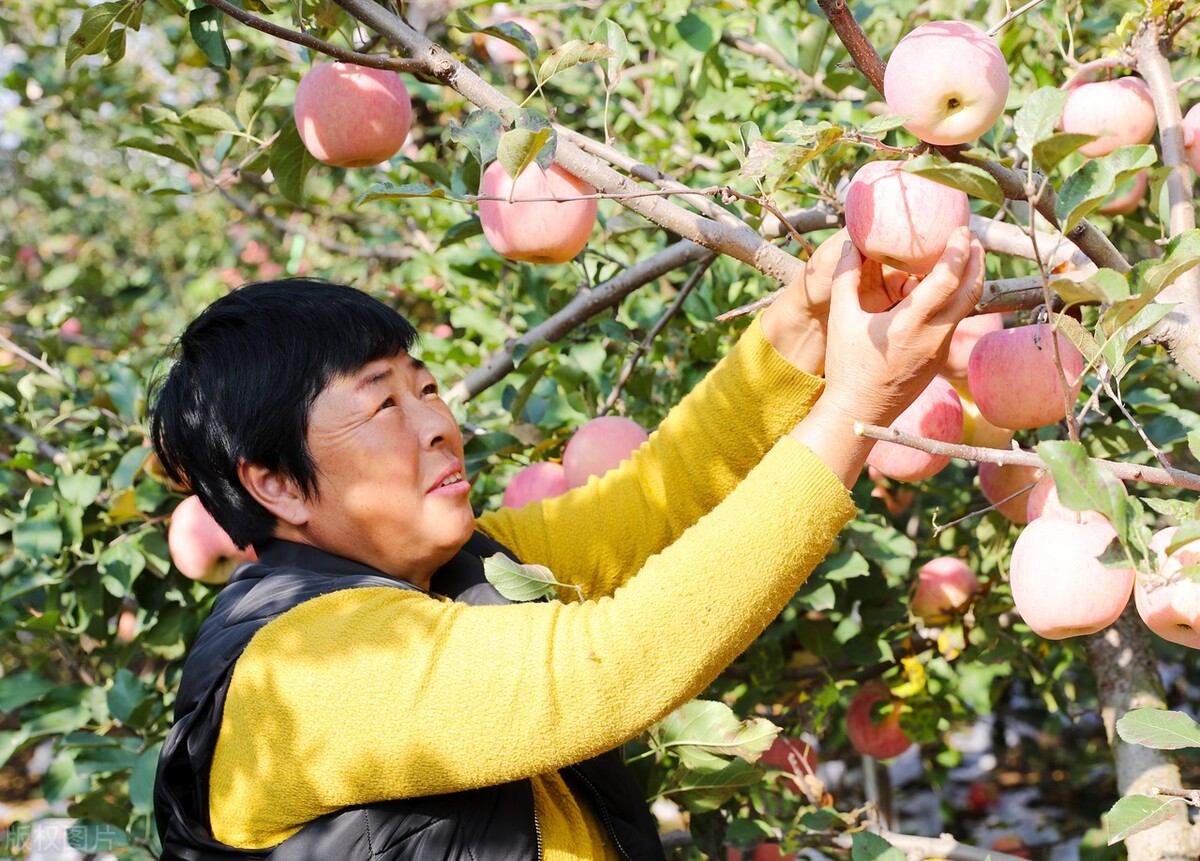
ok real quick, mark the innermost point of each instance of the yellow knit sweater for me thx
(684, 554)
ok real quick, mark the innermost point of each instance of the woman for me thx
(339, 703)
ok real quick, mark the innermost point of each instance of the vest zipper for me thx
(608, 825)
(537, 831)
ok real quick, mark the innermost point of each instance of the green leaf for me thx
(164, 149)
(1037, 119)
(879, 126)
(866, 846)
(514, 34)
(611, 34)
(209, 119)
(1082, 485)
(480, 134)
(975, 181)
(141, 779)
(705, 734)
(251, 98)
(124, 695)
(1136, 813)
(390, 191)
(1193, 441)
(79, 489)
(39, 535)
(22, 688)
(114, 47)
(10, 743)
(1176, 509)
(1049, 153)
(1182, 253)
(91, 37)
(775, 163)
(1074, 332)
(290, 162)
(1088, 187)
(206, 24)
(1103, 285)
(518, 582)
(707, 790)
(570, 54)
(1159, 729)
(460, 232)
(520, 147)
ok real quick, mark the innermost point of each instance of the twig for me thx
(58, 456)
(641, 349)
(946, 847)
(766, 52)
(1011, 16)
(1190, 796)
(1158, 453)
(1125, 471)
(585, 305)
(30, 358)
(939, 528)
(374, 61)
(1085, 70)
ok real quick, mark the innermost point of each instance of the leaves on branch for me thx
(1037, 119)
(705, 735)
(975, 181)
(571, 54)
(866, 846)
(1088, 187)
(1159, 728)
(480, 134)
(611, 34)
(391, 191)
(290, 162)
(510, 32)
(93, 36)
(1084, 486)
(207, 26)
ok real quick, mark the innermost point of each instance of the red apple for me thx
(795, 757)
(443, 331)
(200, 548)
(935, 414)
(534, 482)
(926, 80)
(506, 53)
(1043, 501)
(1119, 111)
(1128, 196)
(943, 586)
(536, 231)
(966, 334)
(352, 116)
(881, 740)
(1169, 600)
(1191, 136)
(127, 625)
(71, 327)
(1000, 482)
(599, 446)
(901, 219)
(1013, 377)
(1059, 585)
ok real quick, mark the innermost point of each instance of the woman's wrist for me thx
(828, 430)
(796, 334)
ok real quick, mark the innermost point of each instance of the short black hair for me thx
(243, 379)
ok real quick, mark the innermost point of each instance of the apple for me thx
(443, 331)
(1169, 600)
(1043, 501)
(795, 757)
(599, 446)
(506, 53)
(71, 327)
(1128, 196)
(200, 548)
(966, 334)
(1059, 585)
(1119, 111)
(534, 482)
(127, 625)
(977, 430)
(1191, 136)
(881, 740)
(1014, 380)
(536, 231)
(1000, 482)
(935, 414)
(901, 219)
(950, 79)
(943, 586)
(352, 116)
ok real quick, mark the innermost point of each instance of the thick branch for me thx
(375, 61)
(1002, 456)
(934, 847)
(739, 242)
(1091, 241)
(1178, 331)
(585, 305)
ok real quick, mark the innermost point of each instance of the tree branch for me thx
(933, 847)
(1090, 240)
(374, 61)
(1124, 471)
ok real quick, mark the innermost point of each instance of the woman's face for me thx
(391, 489)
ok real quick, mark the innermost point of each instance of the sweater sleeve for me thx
(370, 694)
(704, 447)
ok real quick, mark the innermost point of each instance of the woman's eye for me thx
(388, 402)
(430, 389)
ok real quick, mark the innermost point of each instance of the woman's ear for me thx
(275, 492)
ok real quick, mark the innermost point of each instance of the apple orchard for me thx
(581, 206)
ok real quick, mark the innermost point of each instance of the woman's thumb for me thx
(847, 277)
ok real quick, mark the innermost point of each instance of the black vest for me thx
(495, 823)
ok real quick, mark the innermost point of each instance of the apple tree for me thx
(158, 154)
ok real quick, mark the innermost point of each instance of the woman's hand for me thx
(796, 323)
(878, 359)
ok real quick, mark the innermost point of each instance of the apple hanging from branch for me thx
(352, 116)
(200, 548)
(522, 226)
(600, 445)
(535, 482)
